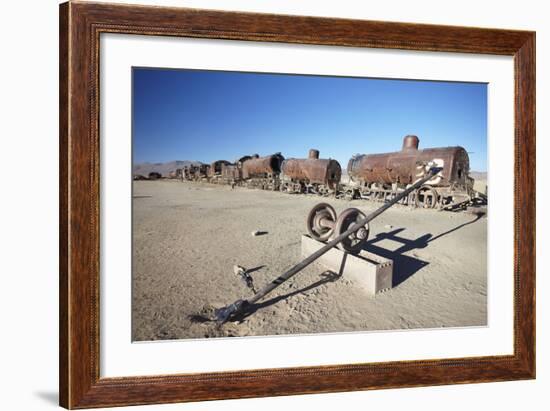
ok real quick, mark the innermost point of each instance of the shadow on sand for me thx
(404, 266)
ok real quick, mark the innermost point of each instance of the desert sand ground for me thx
(188, 236)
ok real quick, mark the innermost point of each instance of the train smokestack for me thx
(313, 153)
(410, 142)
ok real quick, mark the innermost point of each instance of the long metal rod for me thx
(225, 312)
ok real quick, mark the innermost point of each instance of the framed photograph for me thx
(258, 205)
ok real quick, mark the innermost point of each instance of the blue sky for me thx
(212, 115)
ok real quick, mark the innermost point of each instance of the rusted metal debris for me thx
(244, 274)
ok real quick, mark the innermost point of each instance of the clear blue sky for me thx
(212, 115)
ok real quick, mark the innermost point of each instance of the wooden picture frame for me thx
(80, 27)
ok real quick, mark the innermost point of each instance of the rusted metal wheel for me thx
(353, 243)
(426, 197)
(349, 194)
(320, 221)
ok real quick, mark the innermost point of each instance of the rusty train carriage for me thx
(382, 176)
(378, 177)
(214, 172)
(231, 174)
(262, 172)
(311, 175)
(195, 172)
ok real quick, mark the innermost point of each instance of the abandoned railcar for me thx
(195, 172)
(215, 171)
(311, 175)
(382, 176)
(262, 172)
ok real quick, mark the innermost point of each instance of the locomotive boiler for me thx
(262, 172)
(379, 176)
(311, 175)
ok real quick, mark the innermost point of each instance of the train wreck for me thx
(377, 177)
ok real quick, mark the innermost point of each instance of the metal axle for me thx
(225, 313)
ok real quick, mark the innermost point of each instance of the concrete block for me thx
(369, 271)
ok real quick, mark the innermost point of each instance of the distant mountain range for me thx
(163, 168)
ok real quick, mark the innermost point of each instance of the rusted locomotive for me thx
(262, 172)
(273, 172)
(310, 175)
(214, 172)
(232, 173)
(383, 176)
(195, 172)
(379, 177)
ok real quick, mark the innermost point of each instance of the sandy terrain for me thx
(188, 236)
(481, 186)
